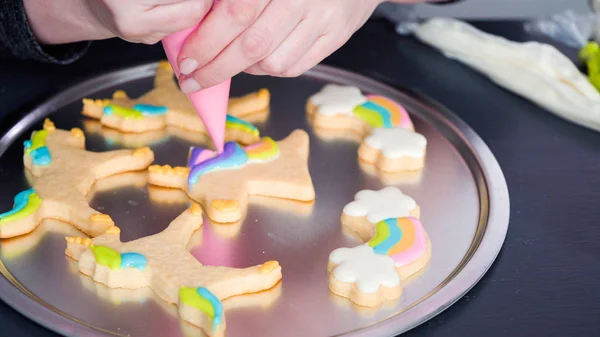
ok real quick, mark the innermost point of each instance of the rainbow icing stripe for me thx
(202, 161)
(403, 239)
(205, 301)
(234, 123)
(106, 256)
(26, 203)
(139, 111)
(265, 150)
(37, 149)
(382, 112)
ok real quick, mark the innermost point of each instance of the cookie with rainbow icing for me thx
(237, 132)
(163, 263)
(389, 141)
(63, 173)
(222, 183)
(166, 105)
(397, 247)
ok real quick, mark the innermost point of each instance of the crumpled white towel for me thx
(536, 71)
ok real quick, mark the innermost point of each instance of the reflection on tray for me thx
(226, 230)
(170, 196)
(363, 311)
(15, 247)
(387, 178)
(165, 195)
(299, 208)
(118, 181)
(337, 135)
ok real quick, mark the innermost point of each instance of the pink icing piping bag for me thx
(211, 103)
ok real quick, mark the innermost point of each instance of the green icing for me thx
(37, 140)
(123, 112)
(590, 54)
(588, 51)
(26, 203)
(381, 233)
(372, 118)
(190, 296)
(106, 256)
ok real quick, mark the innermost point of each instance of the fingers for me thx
(225, 23)
(323, 47)
(273, 26)
(178, 15)
(296, 45)
(150, 23)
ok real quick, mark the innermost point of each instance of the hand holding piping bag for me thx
(268, 37)
(210, 103)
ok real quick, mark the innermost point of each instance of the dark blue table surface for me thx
(544, 282)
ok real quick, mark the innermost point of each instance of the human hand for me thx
(141, 21)
(275, 37)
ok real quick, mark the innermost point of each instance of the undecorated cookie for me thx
(63, 173)
(222, 183)
(388, 139)
(163, 263)
(397, 248)
(166, 105)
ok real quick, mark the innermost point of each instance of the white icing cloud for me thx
(361, 265)
(386, 203)
(336, 99)
(397, 142)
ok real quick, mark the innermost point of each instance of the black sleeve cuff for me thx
(17, 39)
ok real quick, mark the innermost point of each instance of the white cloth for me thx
(536, 71)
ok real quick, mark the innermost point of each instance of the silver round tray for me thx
(462, 194)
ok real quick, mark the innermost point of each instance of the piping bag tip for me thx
(211, 106)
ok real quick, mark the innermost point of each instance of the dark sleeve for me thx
(17, 39)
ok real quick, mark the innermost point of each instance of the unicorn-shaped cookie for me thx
(63, 173)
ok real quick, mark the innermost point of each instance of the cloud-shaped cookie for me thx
(336, 99)
(397, 142)
(394, 150)
(361, 265)
(388, 202)
(362, 275)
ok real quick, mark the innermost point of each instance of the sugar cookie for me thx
(384, 126)
(369, 207)
(63, 173)
(166, 105)
(149, 138)
(221, 183)
(163, 263)
(397, 247)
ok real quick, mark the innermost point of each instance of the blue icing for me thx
(147, 109)
(41, 156)
(395, 235)
(133, 260)
(385, 115)
(108, 110)
(215, 303)
(27, 144)
(233, 156)
(233, 119)
(20, 203)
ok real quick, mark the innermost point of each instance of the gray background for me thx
(496, 9)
